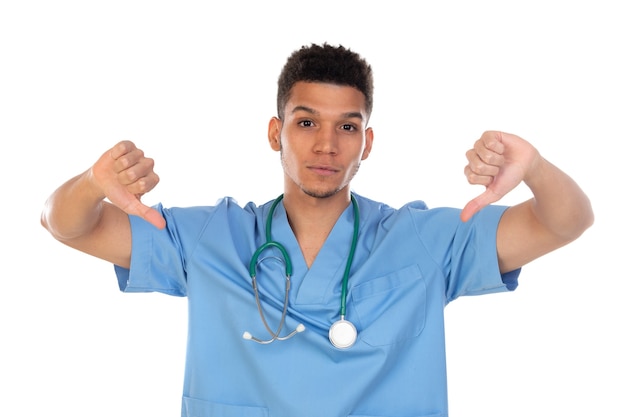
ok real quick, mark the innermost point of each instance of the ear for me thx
(273, 133)
(369, 141)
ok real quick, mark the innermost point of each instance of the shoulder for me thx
(379, 212)
(192, 221)
(416, 215)
(225, 206)
(370, 206)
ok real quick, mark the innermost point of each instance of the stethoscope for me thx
(342, 333)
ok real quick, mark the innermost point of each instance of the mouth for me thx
(323, 170)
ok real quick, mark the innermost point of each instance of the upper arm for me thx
(110, 240)
(521, 238)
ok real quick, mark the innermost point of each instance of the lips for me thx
(323, 170)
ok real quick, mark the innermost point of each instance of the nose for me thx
(326, 141)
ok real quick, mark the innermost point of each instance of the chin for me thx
(320, 193)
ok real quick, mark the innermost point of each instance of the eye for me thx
(348, 127)
(305, 123)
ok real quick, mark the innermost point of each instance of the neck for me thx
(303, 209)
(311, 219)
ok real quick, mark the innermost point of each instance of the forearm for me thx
(74, 209)
(559, 204)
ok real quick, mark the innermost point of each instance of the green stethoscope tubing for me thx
(288, 265)
(346, 272)
(269, 242)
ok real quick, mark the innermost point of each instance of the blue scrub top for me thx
(409, 263)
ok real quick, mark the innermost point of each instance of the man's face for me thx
(322, 139)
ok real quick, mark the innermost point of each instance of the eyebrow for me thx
(348, 115)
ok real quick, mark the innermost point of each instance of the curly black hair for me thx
(327, 64)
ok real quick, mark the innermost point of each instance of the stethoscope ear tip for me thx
(300, 328)
(247, 336)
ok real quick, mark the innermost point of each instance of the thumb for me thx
(154, 217)
(137, 208)
(478, 203)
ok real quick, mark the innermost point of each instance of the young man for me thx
(321, 302)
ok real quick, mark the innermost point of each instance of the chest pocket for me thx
(197, 408)
(391, 308)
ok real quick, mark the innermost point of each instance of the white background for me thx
(193, 83)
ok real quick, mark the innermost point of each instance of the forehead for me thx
(325, 99)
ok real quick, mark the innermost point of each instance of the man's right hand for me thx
(125, 174)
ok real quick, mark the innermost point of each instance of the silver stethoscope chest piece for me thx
(342, 334)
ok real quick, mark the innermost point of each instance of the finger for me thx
(469, 210)
(478, 203)
(140, 178)
(483, 175)
(122, 148)
(134, 159)
(489, 157)
(492, 140)
(132, 169)
(137, 208)
(481, 159)
(154, 217)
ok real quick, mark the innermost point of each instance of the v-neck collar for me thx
(315, 285)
